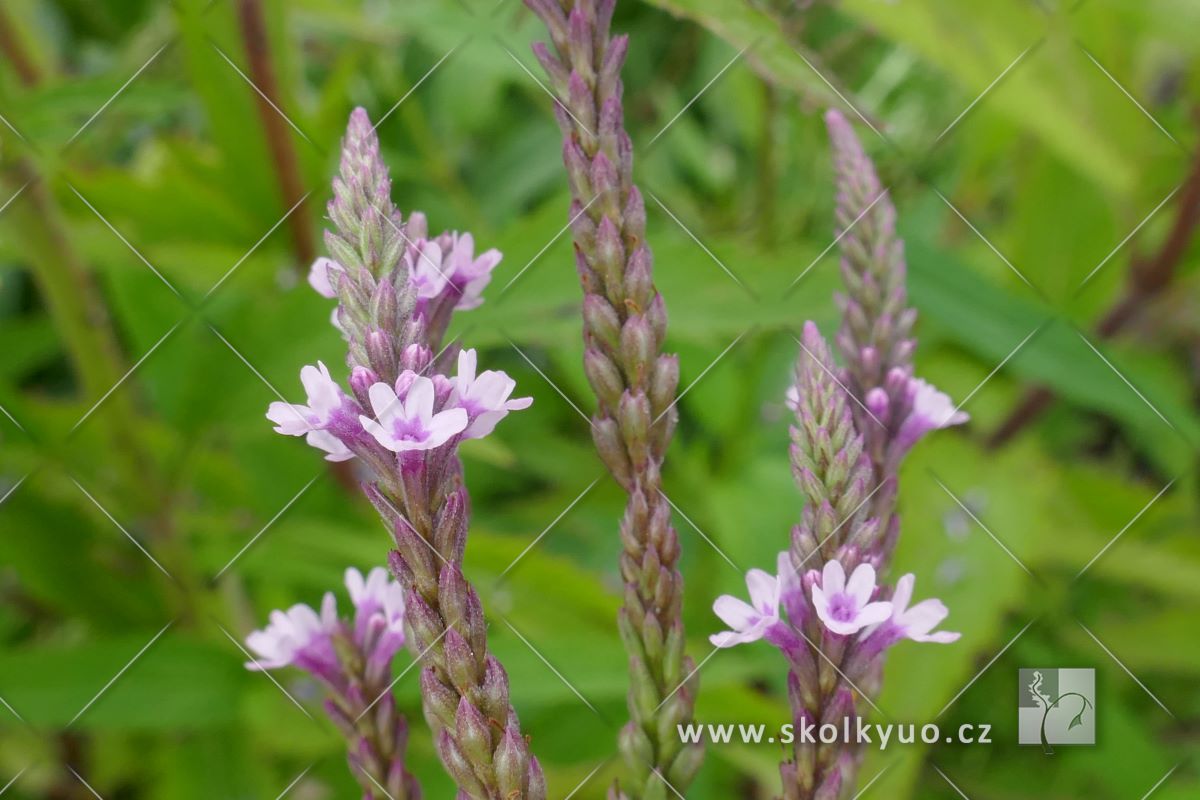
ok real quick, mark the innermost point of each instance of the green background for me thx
(125, 219)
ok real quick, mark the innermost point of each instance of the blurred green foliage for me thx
(143, 247)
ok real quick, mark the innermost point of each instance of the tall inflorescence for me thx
(824, 608)
(624, 325)
(404, 417)
(352, 658)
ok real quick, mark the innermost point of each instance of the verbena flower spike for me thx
(624, 325)
(825, 609)
(404, 416)
(352, 657)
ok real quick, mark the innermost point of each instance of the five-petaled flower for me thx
(916, 623)
(325, 401)
(378, 612)
(467, 273)
(298, 637)
(845, 607)
(748, 621)
(931, 409)
(484, 396)
(408, 422)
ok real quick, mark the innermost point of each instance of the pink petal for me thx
(833, 577)
(764, 592)
(861, 584)
(734, 612)
(903, 594)
(873, 613)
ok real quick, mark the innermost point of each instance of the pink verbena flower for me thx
(407, 421)
(485, 397)
(467, 273)
(325, 402)
(930, 410)
(426, 268)
(323, 276)
(917, 622)
(845, 607)
(298, 637)
(749, 621)
(378, 613)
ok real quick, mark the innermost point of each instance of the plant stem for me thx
(1148, 278)
(14, 51)
(279, 141)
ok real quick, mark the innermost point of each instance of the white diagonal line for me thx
(117, 94)
(11, 710)
(122, 529)
(835, 379)
(260, 93)
(985, 92)
(12, 489)
(703, 372)
(116, 677)
(946, 778)
(1127, 670)
(686, 678)
(257, 244)
(244, 360)
(1121, 532)
(1126, 380)
(416, 85)
(377, 784)
(986, 667)
(128, 372)
(700, 93)
(841, 96)
(674, 791)
(545, 88)
(405, 671)
(259, 668)
(547, 246)
(23, 770)
(125, 241)
(984, 239)
(296, 780)
(13, 420)
(553, 669)
(838, 238)
(10, 126)
(849, 517)
(1125, 241)
(1162, 780)
(703, 246)
(79, 777)
(553, 385)
(979, 522)
(405, 521)
(271, 522)
(15, 195)
(992, 374)
(1125, 92)
(703, 535)
(871, 782)
(554, 522)
(587, 778)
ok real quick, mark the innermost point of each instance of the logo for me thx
(1057, 706)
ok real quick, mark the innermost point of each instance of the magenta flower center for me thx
(406, 430)
(842, 607)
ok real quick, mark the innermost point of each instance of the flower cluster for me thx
(407, 404)
(352, 657)
(783, 605)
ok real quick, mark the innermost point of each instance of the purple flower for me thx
(749, 621)
(325, 398)
(467, 273)
(426, 272)
(484, 397)
(916, 622)
(298, 637)
(409, 423)
(845, 606)
(323, 276)
(335, 449)
(378, 612)
(930, 410)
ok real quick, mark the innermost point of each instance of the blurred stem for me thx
(1148, 278)
(279, 141)
(14, 51)
(768, 165)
